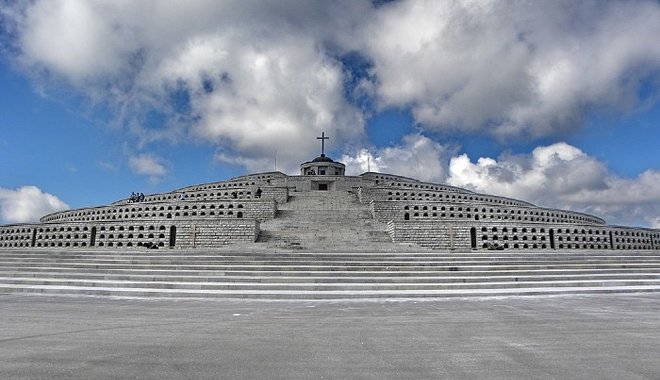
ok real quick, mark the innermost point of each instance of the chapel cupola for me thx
(322, 165)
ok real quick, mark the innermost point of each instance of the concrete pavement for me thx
(596, 336)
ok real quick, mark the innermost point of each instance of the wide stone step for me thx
(321, 286)
(320, 294)
(329, 273)
(329, 279)
(334, 267)
(306, 261)
(337, 275)
(193, 255)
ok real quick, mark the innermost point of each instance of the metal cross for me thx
(323, 138)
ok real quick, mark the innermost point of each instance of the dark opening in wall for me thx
(92, 240)
(473, 237)
(552, 239)
(172, 236)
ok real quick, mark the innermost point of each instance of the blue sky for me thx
(555, 103)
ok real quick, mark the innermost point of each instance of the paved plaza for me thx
(598, 337)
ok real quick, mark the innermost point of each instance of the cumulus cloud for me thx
(253, 77)
(27, 204)
(247, 77)
(559, 169)
(149, 165)
(516, 68)
(417, 156)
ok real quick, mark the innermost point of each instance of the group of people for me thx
(139, 197)
(136, 197)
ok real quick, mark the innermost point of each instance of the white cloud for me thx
(418, 157)
(511, 68)
(253, 77)
(559, 169)
(263, 98)
(149, 165)
(27, 204)
(247, 77)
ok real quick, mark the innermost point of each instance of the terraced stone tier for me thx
(321, 222)
(297, 275)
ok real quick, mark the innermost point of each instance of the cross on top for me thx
(323, 138)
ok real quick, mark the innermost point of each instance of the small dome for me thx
(322, 158)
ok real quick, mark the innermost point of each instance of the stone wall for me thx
(215, 234)
(453, 211)
(447, 236)
(266, 177)
(523, 236)
(16, 236)
(337, 183)
(279, 194)
(260, 209)
(378, 193)
(237, 188)
(209, 233)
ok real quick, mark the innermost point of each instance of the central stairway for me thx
(328, 221)
(324, 276)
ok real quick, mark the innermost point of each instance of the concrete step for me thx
(315, 286)
(333, 266)
(420, 278)
(219, 254)
(328, 221)
(236, 261)
(329, 273)
(305, 275)
(319, 294)
(304, 262)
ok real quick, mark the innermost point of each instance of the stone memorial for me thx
(324, 209)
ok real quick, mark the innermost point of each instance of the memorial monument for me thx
(321, 209)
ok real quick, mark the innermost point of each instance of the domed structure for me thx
(322, 165)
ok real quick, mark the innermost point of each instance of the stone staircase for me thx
(316, 276)
(327, 221)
